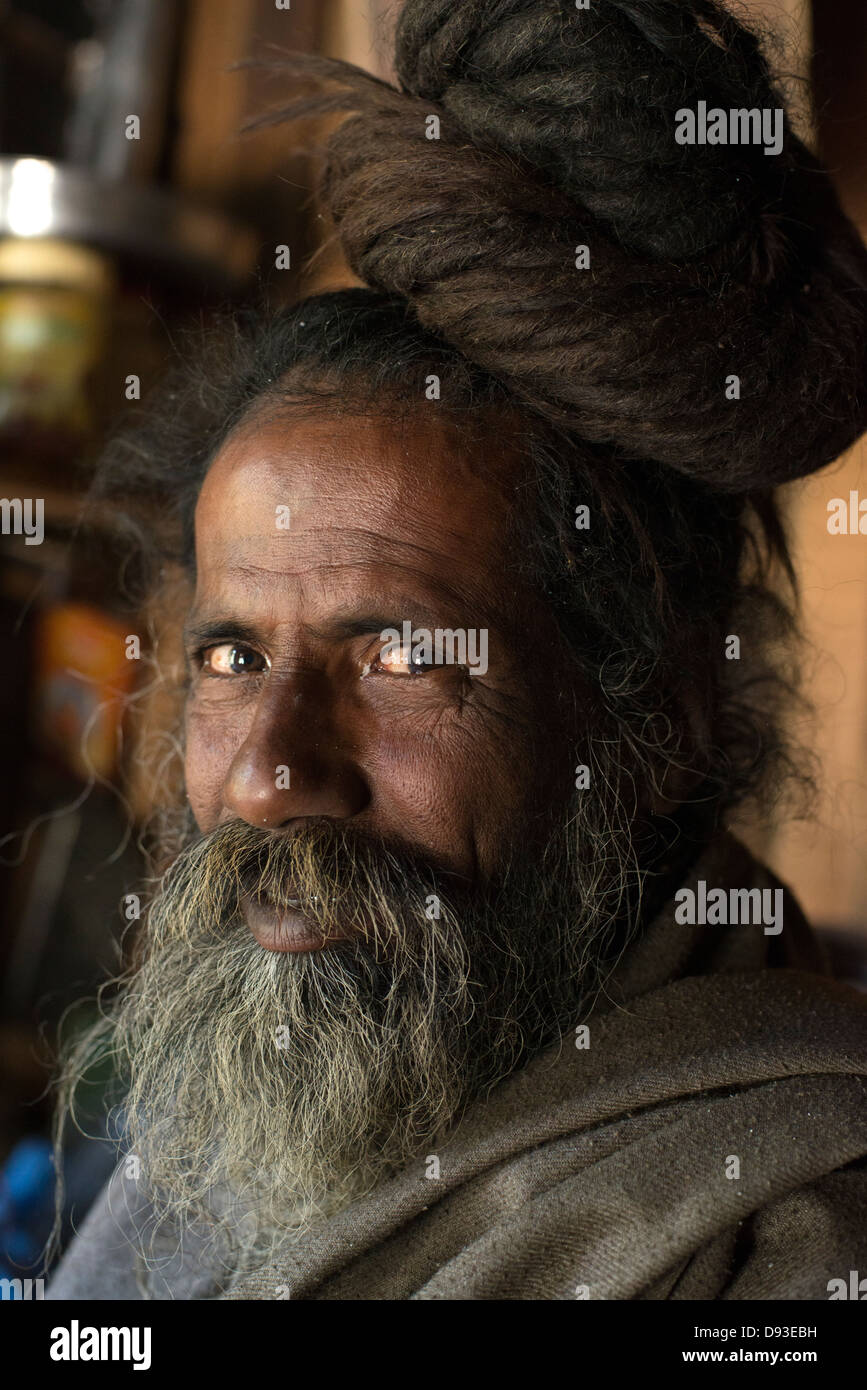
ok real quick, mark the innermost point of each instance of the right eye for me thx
(232, 659)
(400, 663)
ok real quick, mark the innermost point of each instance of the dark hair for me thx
(645, 597)
(557, 129)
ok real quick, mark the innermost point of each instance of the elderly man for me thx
(458, 986)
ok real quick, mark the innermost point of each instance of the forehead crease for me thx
(350, 513)
(358, 499)
(329, 582)
(282, 556)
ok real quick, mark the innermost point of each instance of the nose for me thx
(293, 764)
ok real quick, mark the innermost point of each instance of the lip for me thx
(281, 928)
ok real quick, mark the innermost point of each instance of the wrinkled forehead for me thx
(362, 486)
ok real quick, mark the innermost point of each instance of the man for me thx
(457, 985)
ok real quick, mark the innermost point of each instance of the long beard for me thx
(266, 1090)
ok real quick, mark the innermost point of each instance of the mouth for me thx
(283, 928)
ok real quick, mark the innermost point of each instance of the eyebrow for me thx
(348, 622)
(204, 632)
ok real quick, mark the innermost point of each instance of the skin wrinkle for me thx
(422, 615)
(427, 616)
(373, 551)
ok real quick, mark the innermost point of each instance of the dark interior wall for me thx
(839, 71)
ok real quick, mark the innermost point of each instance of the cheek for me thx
(209, 748)
(457, 791)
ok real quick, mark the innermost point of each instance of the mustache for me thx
(341, 878)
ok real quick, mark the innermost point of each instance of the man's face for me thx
(395, 894)
(313, 536)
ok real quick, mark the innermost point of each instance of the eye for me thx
(232, 659)
(397, 662)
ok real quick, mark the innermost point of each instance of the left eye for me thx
(233, 659)
(400, 662)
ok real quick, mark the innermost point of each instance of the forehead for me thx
(289, 492)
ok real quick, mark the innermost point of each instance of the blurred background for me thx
(131, 207)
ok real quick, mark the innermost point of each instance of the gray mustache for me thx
(317, 868)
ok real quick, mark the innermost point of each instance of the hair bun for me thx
(706, 262)
(587, 97)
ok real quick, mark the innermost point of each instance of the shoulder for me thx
(120, 1252)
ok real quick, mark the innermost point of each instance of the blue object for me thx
(26, 1205)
